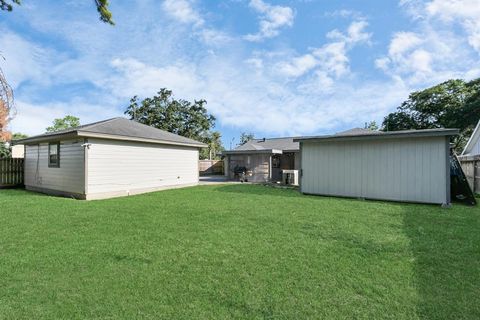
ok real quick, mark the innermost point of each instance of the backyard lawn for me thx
(236, 251)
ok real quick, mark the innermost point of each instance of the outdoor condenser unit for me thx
(290, 177)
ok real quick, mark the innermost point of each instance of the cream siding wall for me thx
(123, 167)
(392, 169)
(18, 151)
(69, 177)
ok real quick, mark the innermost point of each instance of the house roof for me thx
(472, 141)
(273, 145)
(116, 129)
(365, 134)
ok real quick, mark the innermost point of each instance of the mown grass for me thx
(236, 251)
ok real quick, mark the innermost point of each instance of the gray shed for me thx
(410, 165)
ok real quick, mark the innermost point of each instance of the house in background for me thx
(267, 159)
(18, 151)
(115, 157)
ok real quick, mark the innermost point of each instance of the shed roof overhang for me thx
(267, 151)
(85, 134)
(381, 135)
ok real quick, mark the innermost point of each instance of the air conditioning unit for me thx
(290, 177)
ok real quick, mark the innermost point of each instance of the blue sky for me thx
(273, 68)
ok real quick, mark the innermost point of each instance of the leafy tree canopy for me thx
(245, 137)
(215, 146)
(102, 8)
(182, 117)
(372, 125)
(451, 104)
(64, 123)
(4, 151)
(19, 135)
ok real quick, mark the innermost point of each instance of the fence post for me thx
(11, 172)
(471, 168)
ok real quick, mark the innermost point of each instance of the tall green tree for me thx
(372, 125)
(64, 123)
(6, 147)
(19, 135)
(101, 5)
(451, 104)
(182, 117)
(5, 152)
(215, 146)
(245, 137)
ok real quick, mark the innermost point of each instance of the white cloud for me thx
(332, 57)
(464, 12)
(355, 33)
(299, 65)
(133, 77)
(214, 37)
(435, 51)
(403, 42)
(183, 11)
(344, 13)
(236, 95)
(33, 118)
(23, 60)
(272, 19)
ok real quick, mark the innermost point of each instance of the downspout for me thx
(270, 168)
(448, 173)
(86, 147)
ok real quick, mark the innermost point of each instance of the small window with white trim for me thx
(54, 155)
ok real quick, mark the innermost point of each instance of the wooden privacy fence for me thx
(211, 167)
(471, 168)
(11, 172)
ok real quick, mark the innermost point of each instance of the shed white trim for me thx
(473, 145)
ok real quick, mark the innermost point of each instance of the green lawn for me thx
(236, 251)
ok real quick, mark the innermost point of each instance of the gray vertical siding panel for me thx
(69, 177)
(391, 169)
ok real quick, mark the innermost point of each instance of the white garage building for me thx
(115, 157)
(411, 165)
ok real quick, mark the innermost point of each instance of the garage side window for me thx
(54, 155)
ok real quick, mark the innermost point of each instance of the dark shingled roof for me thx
(284, 144)
(119, 128)
(355, 132)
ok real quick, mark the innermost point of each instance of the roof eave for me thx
(136, 139)
(269, 151)
(50, 137)
(446, 132)
(86, 134)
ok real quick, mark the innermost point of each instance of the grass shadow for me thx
(445, 244)
(258, 189)
(130, 259)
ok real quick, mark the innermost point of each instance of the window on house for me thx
(54, 155)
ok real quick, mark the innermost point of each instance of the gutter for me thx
(85, 134)
(268, 151)
(375, 136)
